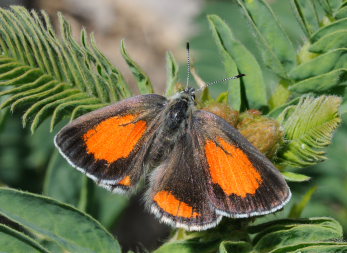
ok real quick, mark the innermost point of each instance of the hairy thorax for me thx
(175, 120)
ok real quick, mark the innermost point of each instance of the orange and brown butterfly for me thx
(198, 167)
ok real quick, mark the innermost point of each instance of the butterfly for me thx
(198, 167)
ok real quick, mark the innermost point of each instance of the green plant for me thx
(47, 77)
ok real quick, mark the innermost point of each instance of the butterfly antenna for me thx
(219, 81)
(188, 64)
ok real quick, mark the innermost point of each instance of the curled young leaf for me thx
(309, 127)
(278, 110)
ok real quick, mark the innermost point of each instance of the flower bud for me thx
(223, 111)
(264, 133)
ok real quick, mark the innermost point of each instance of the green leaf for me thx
(42, 109)
(329, 42)
(106, 206)
(338, 25)
(229, 63)
(231, 247)
(280, 95)
(305, 231)
(223, 97)
(321, 83)
(83, 109)
(295, 177)
(343, 108)
(316, 247)
(275, 225)
(275, 47)
(3, 116)
(68, 185)
(341, 13)
(298, 208)
(205, 96)
(278, 110)
(329, 6)
(320, 65)
(13, 241)
(188, 246)
(61, 109)
(307, 15)
(234, 52)
(325, 6)
(172, 74)
(143, 81)
(64, 183)
(109, 74)
(46, 72)
(335, 4)
(50, 220)
(309, 127)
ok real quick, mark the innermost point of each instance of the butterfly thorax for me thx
(178, 109)
(175, 120)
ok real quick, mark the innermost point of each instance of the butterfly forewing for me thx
(110, 144)
(242, 181)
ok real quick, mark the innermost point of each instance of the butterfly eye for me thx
(193, 95)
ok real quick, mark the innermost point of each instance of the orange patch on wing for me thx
(232, 171)
(114, 138)
(125, 181)
(170, 204)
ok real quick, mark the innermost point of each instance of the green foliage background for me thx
(286, 67)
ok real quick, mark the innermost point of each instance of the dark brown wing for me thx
(243, 182)
(109, 144)
(178, 194)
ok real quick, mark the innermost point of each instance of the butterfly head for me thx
(187, 96)
(190, 92)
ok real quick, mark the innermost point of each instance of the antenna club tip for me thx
(240, 75)
(187, 45)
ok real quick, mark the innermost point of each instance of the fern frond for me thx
(52, 76)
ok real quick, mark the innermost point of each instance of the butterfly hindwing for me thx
(178, 189)
(110, 144)
(243, 182)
